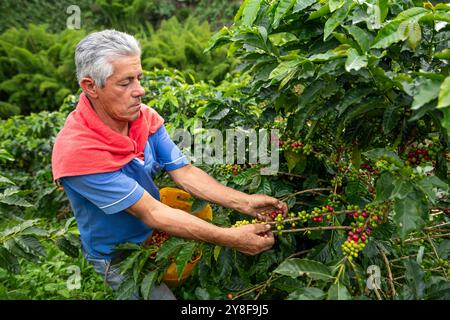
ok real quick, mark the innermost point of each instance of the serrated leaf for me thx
(338, 292)
(306, 294)
(148, 284)
(355, 61)
(295, 267)
(8, 261)
(444, 94)
(184, 256)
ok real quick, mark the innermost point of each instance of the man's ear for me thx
(89, 87)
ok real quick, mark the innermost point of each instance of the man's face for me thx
(120, 98)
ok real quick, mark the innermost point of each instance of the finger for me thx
(263, 217)
(261, 228)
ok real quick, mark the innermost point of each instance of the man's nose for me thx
(139, 90)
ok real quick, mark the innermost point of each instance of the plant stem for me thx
(390, 278)
(316, 229)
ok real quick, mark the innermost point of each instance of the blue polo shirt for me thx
(99, 200)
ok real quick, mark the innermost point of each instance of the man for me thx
(106, 156)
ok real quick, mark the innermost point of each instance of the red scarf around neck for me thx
(86, 145)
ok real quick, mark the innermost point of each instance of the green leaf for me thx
(338, 292)
(414, 34)
(4, 180)
(388, 35)
(265, 187)
(336, 19)
(169, 248)
(295, 267)
(67, 247)
(446, 119)
(408, 213)
(292, 159)
(363, 38)
(8, 261)
(323, 11)
(126, 289)
(306, 294)
(384, 186)
(148, 283)
(444, 94)
(402, 188)
(256, 181)
(198, 205)
(428, 90)
(31, 245)
(444, 54)
(303, 4)
(415, 277)
(335, 4)
(250, 11)
(129, 262)
(14, 197)
(379, 153)
(355, 61)
(19, 228)
(184, 256)
(284, 68)
(282, 9)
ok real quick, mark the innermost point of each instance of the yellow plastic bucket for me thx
(180, 199)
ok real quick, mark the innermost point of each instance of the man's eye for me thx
(124, 84)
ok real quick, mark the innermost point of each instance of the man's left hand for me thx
(262, 206)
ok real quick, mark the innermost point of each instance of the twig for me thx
(316, 229)
(423, 238)
(315, 190)
(386, 261)
(436, 253)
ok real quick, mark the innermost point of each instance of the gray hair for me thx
(94, 53)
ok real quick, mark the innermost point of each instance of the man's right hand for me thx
(252, 239)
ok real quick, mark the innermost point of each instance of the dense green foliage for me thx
(359, 91)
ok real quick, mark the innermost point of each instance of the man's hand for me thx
(252, 239)
(262, 206)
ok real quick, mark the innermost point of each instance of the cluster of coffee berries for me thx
(417, 156)
(227, 169)
(365, 220)
(156, 239)
(296, 146)
(317, 214)
(303, 215)
(368, 167)
(352, 248)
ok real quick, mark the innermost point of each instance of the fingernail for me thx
(267, 226)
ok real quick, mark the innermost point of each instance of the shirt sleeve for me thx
(168, 155)
(111, 192)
